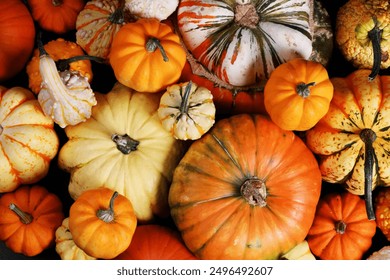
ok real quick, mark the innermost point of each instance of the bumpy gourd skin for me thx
(354, 20)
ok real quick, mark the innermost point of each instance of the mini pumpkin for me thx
(58, 16)
(341, 229)
(147, 55)
(382, 254)
(156, 242)
(17, 33)
(98, 23)
(363, 34)
(65, 246)
(28, 140)
(187, 111)
(125, 142)
(59, 50)
(297, 94)
(102, 222)
(245, 190)
(299, 252)
(29, 217)
(382, 211)
(352, 139)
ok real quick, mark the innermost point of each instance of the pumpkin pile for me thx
(195, 129)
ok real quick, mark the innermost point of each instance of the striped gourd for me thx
(242, 41)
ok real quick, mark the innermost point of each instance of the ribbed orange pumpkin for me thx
(245, 190)
(341, 229)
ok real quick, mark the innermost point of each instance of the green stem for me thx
(368, 136)
(303, 89)
(186, 99)
(25, 218)
(375, 35)
(152, 44)
(63, 64)
(340, 227)
(108, 215)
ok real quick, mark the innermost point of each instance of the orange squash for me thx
(58, 16)
(341, 229)
(147, 56)
(29, 217)
(382, 211)
(245, 190)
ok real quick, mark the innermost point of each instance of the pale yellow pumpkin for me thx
(187, 110)
(28, 141)
(300, 252)
(160, 10)
(65, 247)
(123, 147)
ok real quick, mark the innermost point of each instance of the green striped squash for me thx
(243, 41)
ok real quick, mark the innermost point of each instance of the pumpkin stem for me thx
(368, 137)
(185, 103)
(254, 191)
(340, 227)
(303, 89)
(246, 15)
(1, 129)
(152, 44)
(108, 215)
(63, 64)
(57, 3)
(375, 35)
(24, 217)
(118, 16)
(125, 143)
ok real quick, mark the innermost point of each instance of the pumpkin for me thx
(98, 23)
(352, 139)
(242, 42)
(65, 246)
(147, 56)
(17, 33)
(297, 94)
(187, 111)
(29, 217)
(382, 254)
(28, 141)
(382, 211)
(245, 190)
(59, 50)
(67, 96)
(160, 10)
(102, 222)
(156, 242)
(58, 16)
(363, 32)
(125, 142)
(341, 229)
(299, 252)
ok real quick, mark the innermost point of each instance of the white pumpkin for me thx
(160, 9)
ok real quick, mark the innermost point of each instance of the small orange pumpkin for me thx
(58, 16)
(147, 56)
(102, 222)
(29, 218)
(298, 94)
(341, 229)
(382, 211)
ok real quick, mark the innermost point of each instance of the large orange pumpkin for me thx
(17, 35)
(245, 190)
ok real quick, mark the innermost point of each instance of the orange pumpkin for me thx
(17, 35)
(298, 94)
(58, 16)
(102, 222)
(245, 190)
(156, 242)
(341, 229)
(147, 56)
(29, 218)
(382, 211)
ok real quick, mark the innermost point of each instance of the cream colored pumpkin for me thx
(123, 147)
(66, 248)
(65, 96)
(187, 111)
(160, 10)
(300, 252)
(28, 141)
